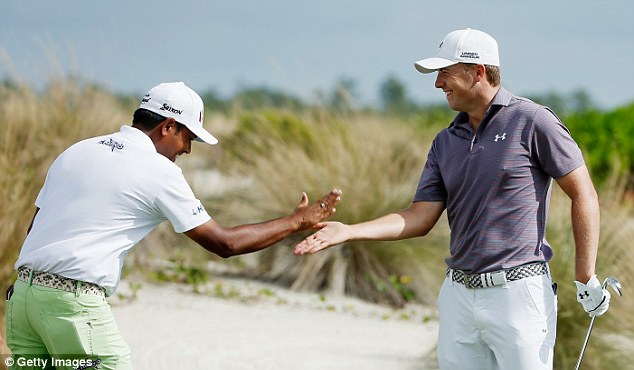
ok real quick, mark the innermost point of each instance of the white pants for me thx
(511, 327)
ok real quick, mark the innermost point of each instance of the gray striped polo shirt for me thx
(496, 184)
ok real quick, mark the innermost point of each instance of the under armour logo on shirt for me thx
(500, 137)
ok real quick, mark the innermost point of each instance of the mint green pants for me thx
(53, 329)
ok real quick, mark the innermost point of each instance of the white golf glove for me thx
(594, 299)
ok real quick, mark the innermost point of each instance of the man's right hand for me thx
(310, 215)
(248, 238)
(329, 234)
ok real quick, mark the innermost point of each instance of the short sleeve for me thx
(431, 186)
(553, 146)
(176, 201)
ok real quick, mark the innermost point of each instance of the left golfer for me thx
(102, 196)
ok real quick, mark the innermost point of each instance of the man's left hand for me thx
(593, 297)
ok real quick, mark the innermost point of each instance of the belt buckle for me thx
(467, 281)
(498, 278)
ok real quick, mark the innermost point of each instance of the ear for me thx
(169, 123)
(480, 72)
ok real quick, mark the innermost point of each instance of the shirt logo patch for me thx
(500, 137)
(198, 210)
(112, 144)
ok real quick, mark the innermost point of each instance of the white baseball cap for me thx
(178, 101)
(462, 46)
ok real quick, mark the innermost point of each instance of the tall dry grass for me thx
(376, 162)
(612, 342)
(36, 128)
(264, 160)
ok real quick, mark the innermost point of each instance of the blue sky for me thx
(302, 47)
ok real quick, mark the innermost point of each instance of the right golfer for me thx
(492, 170)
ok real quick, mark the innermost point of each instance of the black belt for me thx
(496, 278)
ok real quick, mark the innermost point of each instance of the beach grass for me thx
(265, 159)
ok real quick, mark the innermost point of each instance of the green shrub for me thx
(607, 140)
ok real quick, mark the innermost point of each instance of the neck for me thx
(481, 106)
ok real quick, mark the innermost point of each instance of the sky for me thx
(304, 47)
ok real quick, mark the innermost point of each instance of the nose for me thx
(440, 82)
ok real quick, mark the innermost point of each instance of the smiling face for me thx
(458, 83)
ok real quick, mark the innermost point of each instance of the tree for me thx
(393, 95)
(342, 98)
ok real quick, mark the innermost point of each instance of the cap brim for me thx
(430, 65)
(203, 135)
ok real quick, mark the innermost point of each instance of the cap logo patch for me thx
(470, 55)
(170, 109)
(146, 98)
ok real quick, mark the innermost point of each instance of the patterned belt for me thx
(54, 281)
(497, 278)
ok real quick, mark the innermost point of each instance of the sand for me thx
(242, 324)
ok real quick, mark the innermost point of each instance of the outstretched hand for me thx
(329, 234)
(310, 215)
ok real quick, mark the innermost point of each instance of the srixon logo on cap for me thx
(170, 109)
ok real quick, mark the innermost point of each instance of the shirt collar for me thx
(460, 124)
(503, 97)
(138, 136)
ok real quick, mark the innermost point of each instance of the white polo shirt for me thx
(100, 198)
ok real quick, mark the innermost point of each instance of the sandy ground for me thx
(241, 324)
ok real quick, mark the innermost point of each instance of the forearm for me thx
(417, 220)
(227, 242)
(254, 237)
(585, 215)
(389, 227)
(414, 221)
(231, 241)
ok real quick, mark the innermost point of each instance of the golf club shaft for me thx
(585, 343)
